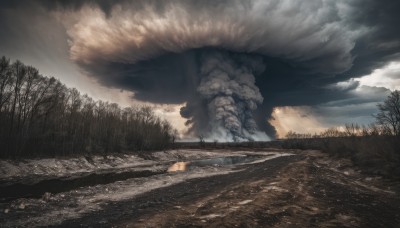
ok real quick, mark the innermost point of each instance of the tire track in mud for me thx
(304, 190)
(183, 194)
(283, 192)
(300, 195)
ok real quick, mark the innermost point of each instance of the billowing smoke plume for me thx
(152, 48)
(219, 89)
(227, 87)
(162, 51)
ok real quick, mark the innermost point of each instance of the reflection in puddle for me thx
(184, 166)
(179, 166)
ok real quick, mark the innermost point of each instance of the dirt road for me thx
(297, 191)
(303, 190)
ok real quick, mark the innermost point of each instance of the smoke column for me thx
(228, 92)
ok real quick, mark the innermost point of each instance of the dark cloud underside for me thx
(154, 48)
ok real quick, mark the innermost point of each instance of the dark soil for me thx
(11, 191)
(305, 190)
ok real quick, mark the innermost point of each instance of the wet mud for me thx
(308, 189)
(12, 191)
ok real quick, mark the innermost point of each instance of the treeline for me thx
(374, 153)
(375, 148)
(40, 116)
(349, 130)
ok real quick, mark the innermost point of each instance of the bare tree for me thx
(39, 116)
(389, 113)
(5, 81)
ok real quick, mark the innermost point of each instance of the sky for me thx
(223, 69)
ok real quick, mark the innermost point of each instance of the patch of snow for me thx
(55, 208)
(275, 188)
(93, 198)
(60, 167)
(211, 216)
(245, 202)
(66, 166)
(192, 154)
(275, 155)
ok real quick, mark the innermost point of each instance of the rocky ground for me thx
(277, 189)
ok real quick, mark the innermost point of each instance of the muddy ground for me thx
(305, 189)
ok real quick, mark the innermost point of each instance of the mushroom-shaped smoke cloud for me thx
(207, 53)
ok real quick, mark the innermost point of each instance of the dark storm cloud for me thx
(169, 78)
(117, 47)
(320, 41)
(153, 47)
(381, 43)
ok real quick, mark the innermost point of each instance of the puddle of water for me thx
(11, 191)
(179, 166)
(184, 166)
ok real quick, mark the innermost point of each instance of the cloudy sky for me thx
(223, 68)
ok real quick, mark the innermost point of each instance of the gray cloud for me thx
(314, 34)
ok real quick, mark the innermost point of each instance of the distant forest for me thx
(375, 147)
(40, 116)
